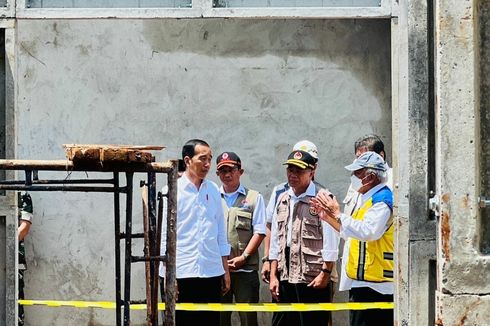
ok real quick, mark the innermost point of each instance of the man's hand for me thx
(225, 283)
(274, 287)
(266, 271)
(236, 262)
(326, 202)
(320, 281)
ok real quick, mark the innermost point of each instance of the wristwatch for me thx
(338, 220)
(265, 258)
(325, 270)
(245, 255)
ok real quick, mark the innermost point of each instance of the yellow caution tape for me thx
(262, 307)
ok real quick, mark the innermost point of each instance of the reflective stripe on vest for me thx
(371, 261)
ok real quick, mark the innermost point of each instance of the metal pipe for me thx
(135, 259)
(134, 235)
(67, 181)
(127, 263)
(117, 247)
(59, 188)
(28, 177)
(62, 165)
(146, 228)
(152, 221)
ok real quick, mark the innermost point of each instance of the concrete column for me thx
(8, 225)
(463, 271)
(415, 242)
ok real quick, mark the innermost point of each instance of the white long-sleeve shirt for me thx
(372, 227)
(201, 230)
(276, 192)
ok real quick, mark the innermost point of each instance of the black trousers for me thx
(197, 290)
(374, 317)
(301, 293)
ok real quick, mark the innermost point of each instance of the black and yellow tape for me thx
(259, 307)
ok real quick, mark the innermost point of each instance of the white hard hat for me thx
(307, 146)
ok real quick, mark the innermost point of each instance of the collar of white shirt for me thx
(371, 192)
(240, 190)
(185, 182)
(310, 191)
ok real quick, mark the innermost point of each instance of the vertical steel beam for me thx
(117, 247)
(127, 262)
(152, 221)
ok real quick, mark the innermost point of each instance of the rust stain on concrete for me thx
(439, 322)
(445, 232)
(468, 308)
(466, 201)
(445, 198)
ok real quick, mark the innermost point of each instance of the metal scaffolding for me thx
(152, 221)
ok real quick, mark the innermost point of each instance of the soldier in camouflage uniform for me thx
(25, 220)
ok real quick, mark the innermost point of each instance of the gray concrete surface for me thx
(415, 232)
(463, 271)
(253, 86)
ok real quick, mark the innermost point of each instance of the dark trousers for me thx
(197, 290)
(245, 289)
(374, 317)
(301, 293)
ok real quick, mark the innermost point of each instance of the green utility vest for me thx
(239, 224)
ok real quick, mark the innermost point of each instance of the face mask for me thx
(355, 182)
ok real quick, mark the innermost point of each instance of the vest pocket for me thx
(243, 220)
(313, 261)
(311, 228)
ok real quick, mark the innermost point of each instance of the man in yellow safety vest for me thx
(367, 261)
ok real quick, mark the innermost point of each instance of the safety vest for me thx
(372, 261)
(239, 225)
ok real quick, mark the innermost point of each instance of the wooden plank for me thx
(140, 147)
(82, 154)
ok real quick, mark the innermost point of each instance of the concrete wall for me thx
(252, 86)
(463, 270)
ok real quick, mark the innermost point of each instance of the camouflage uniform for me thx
(24, 214)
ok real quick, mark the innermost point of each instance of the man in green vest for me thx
(244, 211)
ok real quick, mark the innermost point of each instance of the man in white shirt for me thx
(367, 260)
(244, 211)
(364, 144)
(202, 246)
(303, 248)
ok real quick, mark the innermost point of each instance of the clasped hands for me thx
(326, 204)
